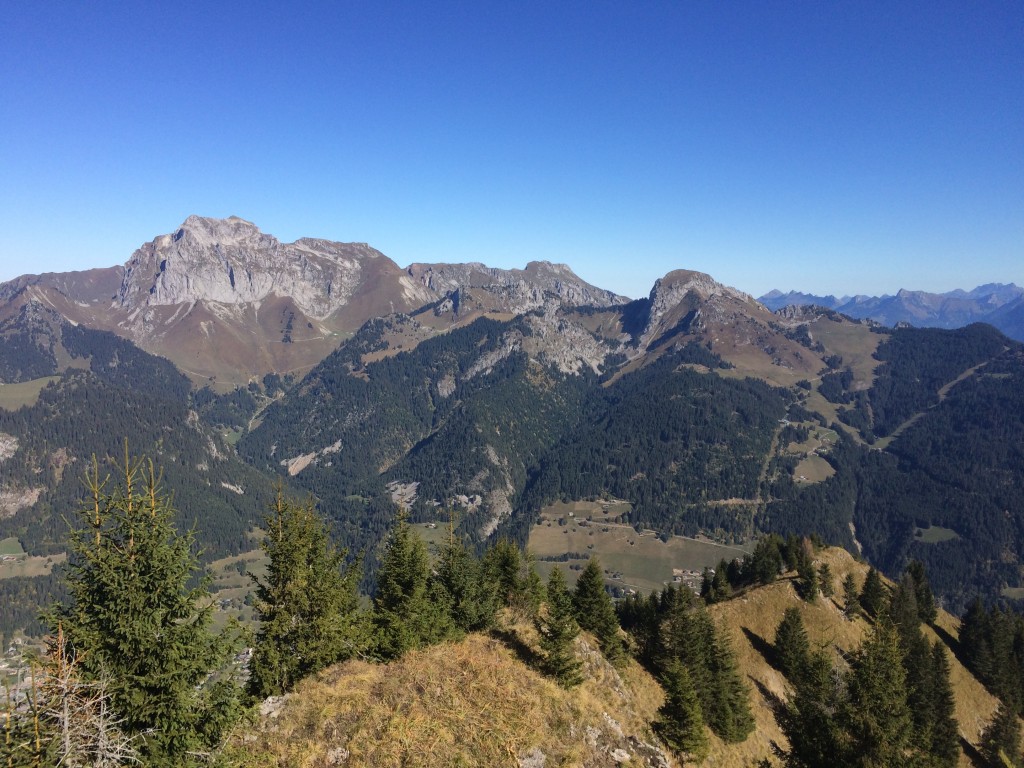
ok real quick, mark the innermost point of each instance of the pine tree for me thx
(872, 595)
(595, 612)
(902, 608)
(407, 613)
(1000, 742)
(687, 636)
(134, 622)
(878, 718)
(944, 744)
(927, 611)
(728, 707)
(558, 631)
(766, 562)
(513, 578)
(460, 576)
(680, 722)
(792, 648)
(825, 581)
(808, 576)
(851, 598)
(811, 718)
(307, 605)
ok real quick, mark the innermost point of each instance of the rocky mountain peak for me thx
(680, 284)
(230, 261)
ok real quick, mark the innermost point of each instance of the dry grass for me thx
(471, 703)
(752, 620)
(475, 703)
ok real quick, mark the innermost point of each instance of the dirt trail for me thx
(943, 392)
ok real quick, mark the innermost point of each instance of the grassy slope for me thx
(472, 703)
(752, 619)
(476, 703)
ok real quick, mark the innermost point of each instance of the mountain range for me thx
(998, 304)
(237, 362)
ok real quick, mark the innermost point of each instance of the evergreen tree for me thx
(927, 611)
(792, 648)
(877, 717)
(766, 562)
(407, 612)
(872, 595)
(902, 610)
(728, 708)
(135, 623)
(944, 744)
(851, 598)
(595, 612)
(513, 578)
(680, 722)
(307, 605)
(718, 587)
(811, 719)
(558, 631)
(469, 595)
(687, 636)
(808, 576)
(1000, 742)
(825, 581)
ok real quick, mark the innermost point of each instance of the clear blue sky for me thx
(822, 146)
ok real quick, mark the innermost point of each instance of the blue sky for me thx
(854, 147)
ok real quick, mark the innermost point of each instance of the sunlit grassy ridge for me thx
(472, 703)
(478, 702)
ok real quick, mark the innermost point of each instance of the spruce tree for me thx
(927, 611)
(595, 612)
(728, 706)
(307, 605)
(902, 609)
(944, 744)
(851, 597)
(137, 621)
(808, 575)
(1000, 741)
(872, 595)
(825, 581)
(792, 648)
(513, 578)
(811, 718)
(680, 723)
(470, 597)
(407, 613)
(558, 631)
(877, 716)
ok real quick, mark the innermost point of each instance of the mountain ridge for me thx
(1000, 304)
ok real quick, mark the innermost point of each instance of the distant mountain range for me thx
(226, 302)
(995, 303)
(240, 361)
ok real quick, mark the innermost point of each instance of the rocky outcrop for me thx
(515, 290)
(231, 262)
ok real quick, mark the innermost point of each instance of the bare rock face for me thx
(685, 296)
(230, 261)
(516, 290)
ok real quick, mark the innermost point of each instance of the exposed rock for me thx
(8, 446)
(564, 344)
(230, 261)
(14, 499)
(518, 290)
(533, 759)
